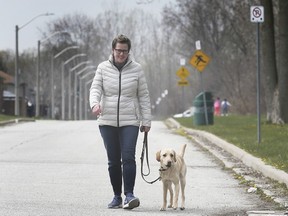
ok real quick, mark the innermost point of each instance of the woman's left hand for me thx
(144, 129)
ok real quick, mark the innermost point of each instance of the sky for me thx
(21, 12)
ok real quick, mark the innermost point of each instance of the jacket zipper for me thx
(118, 103)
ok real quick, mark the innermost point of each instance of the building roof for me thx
(6, 77)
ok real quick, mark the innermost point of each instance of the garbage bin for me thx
(199, 117)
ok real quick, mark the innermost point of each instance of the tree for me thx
(95, 37)
(225, 36)
(269, 63)
(283, 66)
(275, 50)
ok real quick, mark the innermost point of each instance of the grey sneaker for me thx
(131, 202)
(116, 202)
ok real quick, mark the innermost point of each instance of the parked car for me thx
(186, 113)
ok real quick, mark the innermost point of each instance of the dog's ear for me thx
(158, 156)
(174, 153)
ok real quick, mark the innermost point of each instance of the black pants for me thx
(120, 144)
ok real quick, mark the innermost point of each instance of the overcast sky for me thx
(20, 12)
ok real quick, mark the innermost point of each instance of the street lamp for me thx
(52, 77)
(16, 105)
(63, 84)
(86, 98)
(76, 75)
(80, 92)
(75, 87)
(69, 91)
(38, 69)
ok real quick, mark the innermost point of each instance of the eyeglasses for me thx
(119, 51)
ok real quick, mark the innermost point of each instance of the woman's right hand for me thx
(96, 110)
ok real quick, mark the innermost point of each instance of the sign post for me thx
(200, 60)
(257, 16)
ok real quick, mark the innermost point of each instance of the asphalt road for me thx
(59, 168)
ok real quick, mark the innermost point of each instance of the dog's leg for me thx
(175, 203)
(171, 195)
(165, 189)
(183, 184)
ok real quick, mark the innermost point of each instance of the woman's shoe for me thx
(131, 202)
(116, 202)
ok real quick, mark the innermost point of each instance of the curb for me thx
(15, 121)
(248, 159)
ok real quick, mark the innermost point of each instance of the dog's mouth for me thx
(163, 169)
(166, 166)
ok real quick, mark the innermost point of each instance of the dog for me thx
(173, 170)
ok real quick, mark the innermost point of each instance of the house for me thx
(7, 96)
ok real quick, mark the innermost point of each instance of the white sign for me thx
(198, 45)
(182, 62)
(257, 13)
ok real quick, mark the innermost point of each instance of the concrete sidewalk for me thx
(209, 141)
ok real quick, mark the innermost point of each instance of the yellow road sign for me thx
(199, 60)
(183, 82)
(182, 72)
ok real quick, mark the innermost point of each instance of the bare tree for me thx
(95, 36)
(225, 37)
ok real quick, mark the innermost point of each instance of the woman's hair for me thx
(121, 39)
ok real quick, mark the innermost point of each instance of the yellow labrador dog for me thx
(172, 170)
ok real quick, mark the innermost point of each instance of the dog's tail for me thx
(182, 152)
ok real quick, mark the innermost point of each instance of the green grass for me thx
(6, 117)
(242, 132)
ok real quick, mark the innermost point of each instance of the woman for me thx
(119, 97)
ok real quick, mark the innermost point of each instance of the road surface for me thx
(59, 168)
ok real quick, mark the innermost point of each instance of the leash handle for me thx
(145, 147)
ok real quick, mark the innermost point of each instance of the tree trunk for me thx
(282, 58)
(269, 68)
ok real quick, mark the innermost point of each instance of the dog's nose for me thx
(169, 164)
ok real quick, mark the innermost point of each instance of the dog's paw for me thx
(162, 209)
(175, 207)
(182, 208)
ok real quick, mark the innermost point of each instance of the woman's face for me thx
(120, 53)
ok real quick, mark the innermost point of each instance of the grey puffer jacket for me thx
(123, 95)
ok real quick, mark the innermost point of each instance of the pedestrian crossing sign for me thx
(182, 72)
(199, 60)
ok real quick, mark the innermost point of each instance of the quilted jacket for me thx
(123, 95)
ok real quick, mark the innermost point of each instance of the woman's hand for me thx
(144, 129)
(96, 110)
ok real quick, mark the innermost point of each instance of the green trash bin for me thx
(199, 117)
